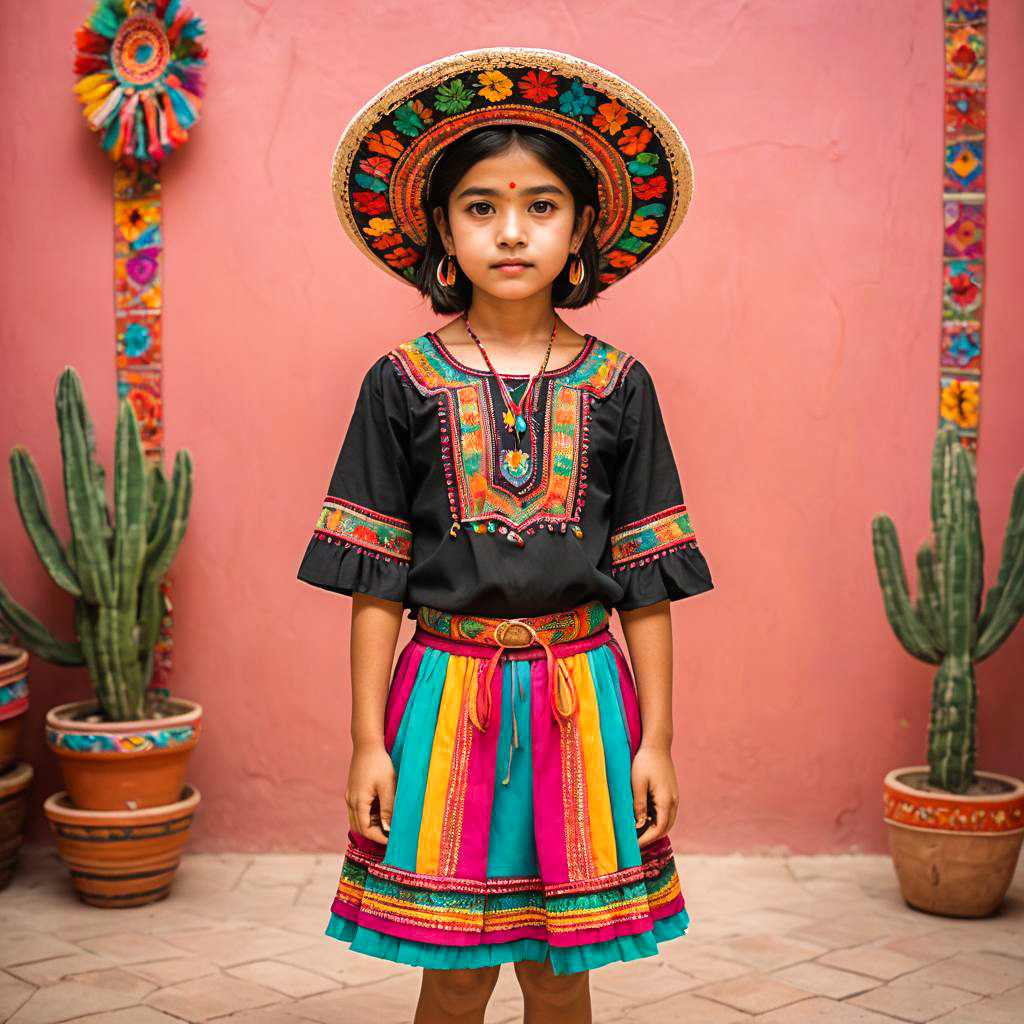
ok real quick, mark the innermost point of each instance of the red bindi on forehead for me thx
(511, 184)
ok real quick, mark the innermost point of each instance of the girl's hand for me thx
(654, 774)
(371, 791)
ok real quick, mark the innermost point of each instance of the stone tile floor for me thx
(780, 940)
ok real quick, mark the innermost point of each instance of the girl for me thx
(509, 481)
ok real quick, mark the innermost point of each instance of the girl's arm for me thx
(371, 778)
(648, 632)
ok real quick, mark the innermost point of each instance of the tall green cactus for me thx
(112, 568)
(945, 626)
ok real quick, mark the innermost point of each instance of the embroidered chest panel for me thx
(551, 493)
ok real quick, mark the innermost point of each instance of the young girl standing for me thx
(509, 481)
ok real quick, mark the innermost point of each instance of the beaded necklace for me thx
(515, 463)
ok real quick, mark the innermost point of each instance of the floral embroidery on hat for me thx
(369, 202)
(634, 140)
(408, 120)
(643, 225)
(538, 86)
(453, 97)
(379, 226)
(495, 86)
(386, 142)
(653, 188)
(576, 101)
(611, 116)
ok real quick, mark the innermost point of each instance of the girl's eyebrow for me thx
(533, 191)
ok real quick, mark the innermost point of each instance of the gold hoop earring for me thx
(450, 273)
(577, 271)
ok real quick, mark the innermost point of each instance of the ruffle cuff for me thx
(677, 572)
(344, 567)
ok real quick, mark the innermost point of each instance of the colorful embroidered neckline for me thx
(551, 494)
(446, 353)
(429, 366)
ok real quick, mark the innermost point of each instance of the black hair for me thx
(560, 157)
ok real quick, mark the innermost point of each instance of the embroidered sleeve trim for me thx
(648, 538)
(343, 521)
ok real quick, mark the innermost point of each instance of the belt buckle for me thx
(520, 633)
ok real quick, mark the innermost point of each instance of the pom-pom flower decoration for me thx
(139, 81)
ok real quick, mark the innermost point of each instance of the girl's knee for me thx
(540, 983)
(461, 990)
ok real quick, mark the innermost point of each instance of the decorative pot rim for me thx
(14, 682)
(989, 814)
(1016, 791)
(16, 776)
(58, 808)
(56, 718)
(17, 665)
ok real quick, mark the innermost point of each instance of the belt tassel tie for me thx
(562, 694)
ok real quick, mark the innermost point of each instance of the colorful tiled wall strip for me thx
(963, 196)
(138, 67)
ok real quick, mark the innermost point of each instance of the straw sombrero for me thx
(384, 157)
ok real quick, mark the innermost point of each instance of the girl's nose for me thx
(510, 229)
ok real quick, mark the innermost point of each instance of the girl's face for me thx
(511, 207)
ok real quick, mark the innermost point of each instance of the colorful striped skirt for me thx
(512, 830)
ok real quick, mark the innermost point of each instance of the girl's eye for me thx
(480, 208)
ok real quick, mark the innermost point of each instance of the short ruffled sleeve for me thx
(362, 537)
(654, 553)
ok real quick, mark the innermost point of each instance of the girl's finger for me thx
(660, 824)
(363, 813)
(640, 801)
(387, 802)
(370, 820)
(374, 832)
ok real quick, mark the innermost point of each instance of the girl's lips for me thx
(512, 268)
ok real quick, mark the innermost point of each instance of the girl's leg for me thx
(550, 998)
(455, 996)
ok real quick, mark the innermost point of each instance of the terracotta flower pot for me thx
(13, 699)
(954, 854)
(122, 858)
(123, 766)
(15, 780)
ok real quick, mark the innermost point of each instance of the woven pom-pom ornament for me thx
(139, 83)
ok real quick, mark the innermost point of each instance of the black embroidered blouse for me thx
(429, 504)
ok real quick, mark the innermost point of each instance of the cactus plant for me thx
(112, 567)
(946, 625)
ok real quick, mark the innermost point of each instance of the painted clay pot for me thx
(954, 854)
(13, 699)
(123, 766)
(122, 858)
(15, 780)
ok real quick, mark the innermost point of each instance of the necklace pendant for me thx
(515, 465)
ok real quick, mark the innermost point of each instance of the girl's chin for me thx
(515, 287)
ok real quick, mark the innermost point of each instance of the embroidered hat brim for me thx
(385, 156)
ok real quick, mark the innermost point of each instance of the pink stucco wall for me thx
(792, 327)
